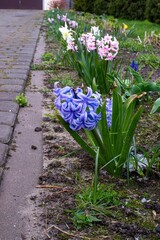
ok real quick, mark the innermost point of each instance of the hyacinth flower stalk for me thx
(91, 56)
(108, 126)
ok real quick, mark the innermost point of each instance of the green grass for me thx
(141, 27)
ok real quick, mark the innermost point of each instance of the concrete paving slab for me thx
(7, 118)
(23, 169)
(8, 75)
(20, 66)
(3, 153)
(5, 96)
(9, 106)
(17, 46)
(10, 81)
(5, 133)
(13, 70)
(11, 64)
(12, 88)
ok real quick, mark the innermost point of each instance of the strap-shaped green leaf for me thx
(77, 138)
(116, 129)
(136, 75)
(156, 106)
(108, 147)
(128, 140)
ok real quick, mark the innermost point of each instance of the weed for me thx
(149, 59)
(134, 46)
(89, 211)
(47, 56)
(21, 99)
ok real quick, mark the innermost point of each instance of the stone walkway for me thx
(19, 31)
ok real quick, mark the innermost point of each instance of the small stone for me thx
(49, 137)
(33, 197)
(38, 129)
(33, 147)
(46, 119)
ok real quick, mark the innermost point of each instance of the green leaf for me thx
(135, 89)
(128, 140)
(116, 129)
(106, 139)
(136, 75)
(156, 106)
(77, 138)
(152, 87)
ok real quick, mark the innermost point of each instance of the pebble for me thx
(33, 147)
(38, 129)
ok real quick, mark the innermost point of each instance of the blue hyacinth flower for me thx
(79, 110)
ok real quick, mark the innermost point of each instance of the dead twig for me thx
(67, 233)
(49, 186)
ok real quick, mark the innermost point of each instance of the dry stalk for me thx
(67, 233)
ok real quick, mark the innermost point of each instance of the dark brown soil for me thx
(68, 170)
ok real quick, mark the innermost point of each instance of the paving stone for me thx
(5, 96)
(7, 118)
(5, 133)
(11, 88)
(22, 66)
(10, 63)
(17, 47)
(3, 154)
(9, 70)
(9, 106)
(10, 81)
(13, 75)
(16, 56)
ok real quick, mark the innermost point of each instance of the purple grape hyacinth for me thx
(134, 65)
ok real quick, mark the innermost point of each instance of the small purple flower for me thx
(89, 99)
(89, 119)
(63, 92)
(134, 65)
(109, 111)
(72, 24)
(64, 18)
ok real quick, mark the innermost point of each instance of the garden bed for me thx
(131, 209)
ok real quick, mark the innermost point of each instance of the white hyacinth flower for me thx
(95, 31)
(66, 33)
